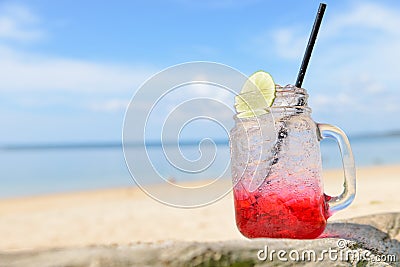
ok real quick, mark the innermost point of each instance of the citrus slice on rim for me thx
(257, 94)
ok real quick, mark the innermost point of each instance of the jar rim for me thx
(289, 88)
(288, 99)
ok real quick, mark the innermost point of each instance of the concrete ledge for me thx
(374, 236)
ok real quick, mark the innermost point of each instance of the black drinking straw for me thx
(310, 45)
(307, 55)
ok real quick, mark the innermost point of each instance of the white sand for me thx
(128, 215)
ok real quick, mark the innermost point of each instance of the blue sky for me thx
(69, 68)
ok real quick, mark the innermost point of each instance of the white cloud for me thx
(365, 38)
(288, 43)
(365, 15)
(18, 23)
(23, 71)
(220, 4)
(367, 30)
(354, 70)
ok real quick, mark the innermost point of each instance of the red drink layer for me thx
(288, 212)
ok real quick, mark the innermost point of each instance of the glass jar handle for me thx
(340, 202)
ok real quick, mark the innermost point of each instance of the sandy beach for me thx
(126, 215)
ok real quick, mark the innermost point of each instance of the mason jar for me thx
(277, 169)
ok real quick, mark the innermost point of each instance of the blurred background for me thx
(68, 70)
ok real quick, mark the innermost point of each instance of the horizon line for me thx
(154, 143)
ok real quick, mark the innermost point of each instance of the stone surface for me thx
(374, 236)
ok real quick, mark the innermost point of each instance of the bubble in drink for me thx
(277, 170)
(290, 211)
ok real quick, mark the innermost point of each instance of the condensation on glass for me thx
(277, 170)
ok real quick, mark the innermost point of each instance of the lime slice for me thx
(257, 93)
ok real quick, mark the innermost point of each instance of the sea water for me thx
(34, 171)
